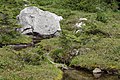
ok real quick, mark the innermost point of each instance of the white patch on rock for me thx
(36, 20)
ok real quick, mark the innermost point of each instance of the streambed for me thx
(73, 74)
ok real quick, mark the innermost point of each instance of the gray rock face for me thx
(36, 20)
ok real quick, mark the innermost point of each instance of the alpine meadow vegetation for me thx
(97, 41)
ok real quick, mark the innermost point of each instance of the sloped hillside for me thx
(96, 43)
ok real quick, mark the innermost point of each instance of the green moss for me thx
(104, 54)
(12, 37)
(49, 44)
(12, 68)
(98, 41)
(44, 72)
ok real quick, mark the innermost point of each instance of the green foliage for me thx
(89, 5)
(57, 52)
(102, 16)
(30, 58)
(43, 2)
(9, 9)
(8, 62)
(80, 5)
(13, 37)
(98, 42)
(113, 4)
(104, 54)
(85, 5)
(26, 65)
(67, 40)
(57, 55)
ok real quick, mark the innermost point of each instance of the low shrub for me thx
(89, 5)
(102, 16)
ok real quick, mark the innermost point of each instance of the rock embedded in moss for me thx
(35, 20)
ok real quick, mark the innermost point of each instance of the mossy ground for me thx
(98, 41)
(12, 68)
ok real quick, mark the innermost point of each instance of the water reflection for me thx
(82, 75)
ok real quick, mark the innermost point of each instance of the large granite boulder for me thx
(38, 21)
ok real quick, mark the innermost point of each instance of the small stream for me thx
(83, 75)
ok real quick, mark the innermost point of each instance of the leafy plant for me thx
(102, 16)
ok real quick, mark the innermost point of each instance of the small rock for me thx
(78, 25)
(97, 72)
(25, 5)
(81, 22)
(83, 19)
(74, 52)
(80, 30)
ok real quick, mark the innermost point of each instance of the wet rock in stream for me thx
(84, 75)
